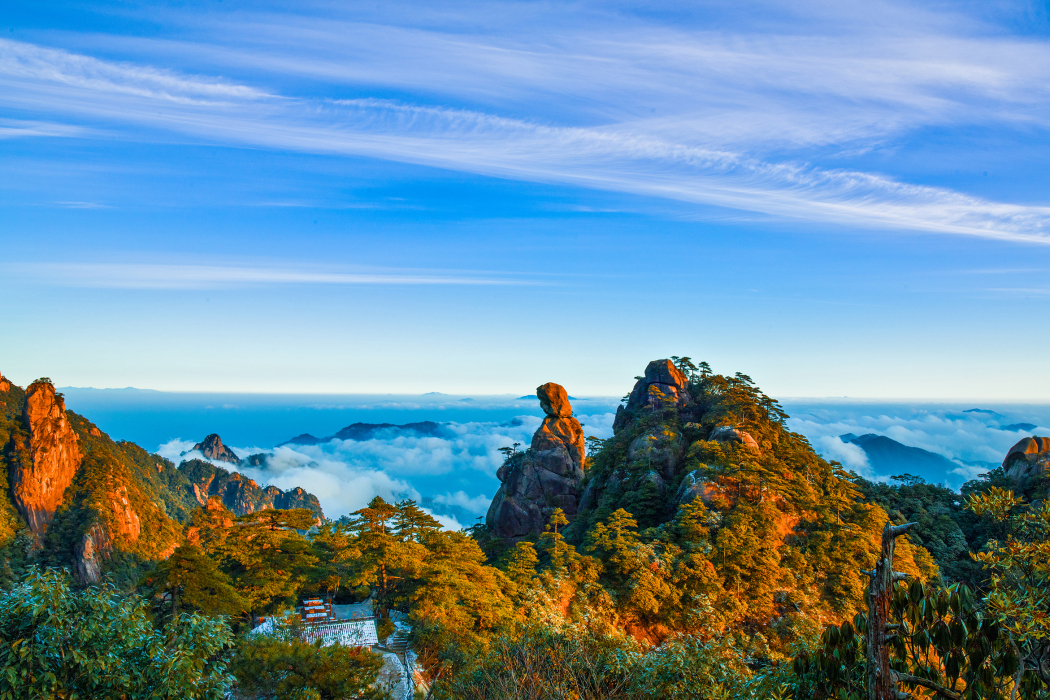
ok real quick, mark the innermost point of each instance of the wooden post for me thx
(882, 681)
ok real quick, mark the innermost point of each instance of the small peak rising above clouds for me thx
(212, 448)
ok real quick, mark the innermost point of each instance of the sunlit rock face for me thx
(47, 468)
(239, 493)
(1027, 459)
(663, 386)
(547, 477)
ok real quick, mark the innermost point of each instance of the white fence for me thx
(351, 633)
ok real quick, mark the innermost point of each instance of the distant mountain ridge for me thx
(368, 431)
(889, 457)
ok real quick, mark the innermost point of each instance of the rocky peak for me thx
(554, 400)
(1030, 457)
(663, 386)
(4, 384)
(38, 484)
(546, 477)
(212, 448)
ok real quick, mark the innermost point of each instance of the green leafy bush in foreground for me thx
(56, 642)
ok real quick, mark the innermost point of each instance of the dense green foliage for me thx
(190, 579)
(15, 539)
(56, 642)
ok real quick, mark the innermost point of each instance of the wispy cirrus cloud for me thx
(38, 64)
(175, 276)
(747, 120)
(22, 128)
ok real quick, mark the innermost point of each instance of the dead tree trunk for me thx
(882, 681)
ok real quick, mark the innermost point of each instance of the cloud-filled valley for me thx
(453, 474)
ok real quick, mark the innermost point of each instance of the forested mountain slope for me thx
(74, 497)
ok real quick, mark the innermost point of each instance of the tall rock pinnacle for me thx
(38, 483)
(546, 477)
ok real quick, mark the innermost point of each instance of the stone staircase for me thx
(398, 643)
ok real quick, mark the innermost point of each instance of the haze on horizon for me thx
(837, 199)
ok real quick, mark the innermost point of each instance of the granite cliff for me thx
(212, 448)
(239, 494)
(50, 461)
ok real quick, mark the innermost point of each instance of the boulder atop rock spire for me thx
(546, 477)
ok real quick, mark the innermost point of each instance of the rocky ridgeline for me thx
(240, 494)
(212, 448)
(545, 477)
(551, 474)
(663, 387)
(85, 498)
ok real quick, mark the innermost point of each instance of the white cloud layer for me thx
(453, 473)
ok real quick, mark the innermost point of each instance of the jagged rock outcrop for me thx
(663, 386)
(90, 553)
(660, 449)
(37, 484)
(1027, 459)
(212, 448)
(240, 494)
(4, 384)
(546, 477)
(100, 507)
(694, 485)
(728, 433)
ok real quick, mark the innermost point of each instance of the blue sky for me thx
(836, 198)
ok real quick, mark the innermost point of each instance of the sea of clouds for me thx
(975, 440)
(453, 475)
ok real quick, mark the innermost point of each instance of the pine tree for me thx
(189, 578)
